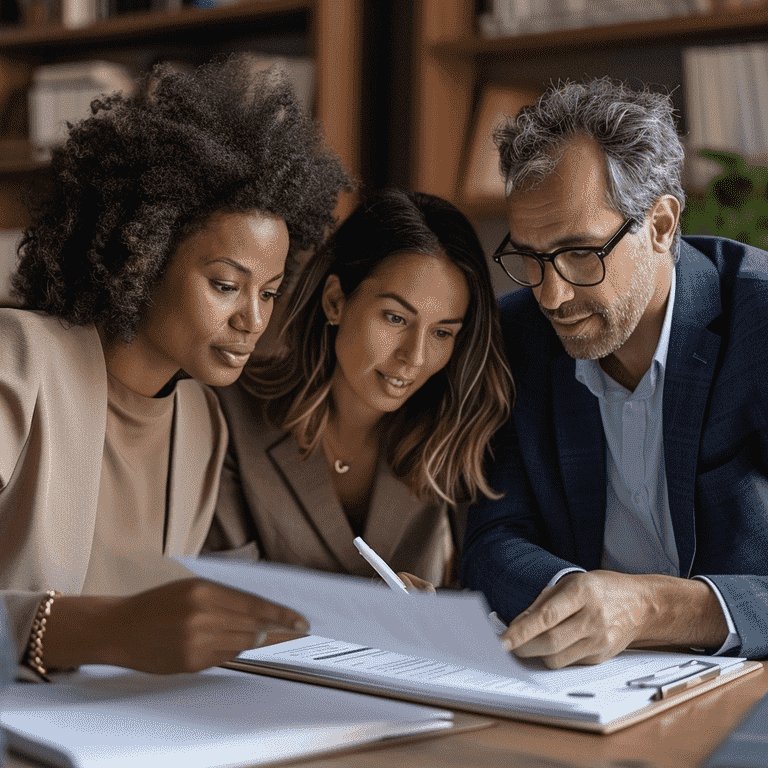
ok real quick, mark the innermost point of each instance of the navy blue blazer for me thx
(550, 459)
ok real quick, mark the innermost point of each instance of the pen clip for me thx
(677, 678)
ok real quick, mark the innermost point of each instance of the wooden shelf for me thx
(452, 61)
(679, 29)
(132, 27)
(331, 28)
(26, 165)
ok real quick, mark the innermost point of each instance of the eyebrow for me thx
(413, 310)
(582, 239)
(236, 264)
(242, 268)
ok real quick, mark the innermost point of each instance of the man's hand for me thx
(587, 618)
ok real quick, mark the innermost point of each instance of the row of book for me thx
(726, 108)
(62, 93)
(726, 105)
(79, 13)
(503, 18)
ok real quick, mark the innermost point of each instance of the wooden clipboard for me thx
(653, 708)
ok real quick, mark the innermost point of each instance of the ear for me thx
(663, 218)
(333, 299)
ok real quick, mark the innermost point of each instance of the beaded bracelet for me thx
(34, 655)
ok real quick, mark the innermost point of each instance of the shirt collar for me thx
(589, 373)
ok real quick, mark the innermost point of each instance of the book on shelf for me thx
(481, 179)
(80, 13)
(514, 17)
(726, 104)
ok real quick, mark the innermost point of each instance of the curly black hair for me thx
(146, 171)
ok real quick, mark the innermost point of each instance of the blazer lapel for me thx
(581, 451)
(393, 507)
(310, 485)
(192, 490)
(691, 359)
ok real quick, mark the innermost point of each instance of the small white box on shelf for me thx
(62, 93)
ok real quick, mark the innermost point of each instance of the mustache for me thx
(573, 310)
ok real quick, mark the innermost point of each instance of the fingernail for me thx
(506, 645)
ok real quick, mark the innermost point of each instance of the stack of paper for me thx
(110, 716)
(441, 649)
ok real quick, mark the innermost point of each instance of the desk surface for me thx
(681, 737)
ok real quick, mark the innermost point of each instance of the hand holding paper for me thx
(587, 618)
(183, 626)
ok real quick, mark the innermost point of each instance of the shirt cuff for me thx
(559, 575)
(733, 640)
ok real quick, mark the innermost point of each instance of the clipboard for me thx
(671, 699)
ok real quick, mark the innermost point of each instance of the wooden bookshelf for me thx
(684, 30)
(139, 25)
(451, 60)
(332, 29)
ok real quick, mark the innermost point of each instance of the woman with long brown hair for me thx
(376, 419)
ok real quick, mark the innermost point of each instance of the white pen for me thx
(390, 577)
(394, 581)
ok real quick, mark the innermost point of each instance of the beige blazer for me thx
(275, 506)
(53, 406)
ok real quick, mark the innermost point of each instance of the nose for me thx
(412, 347)
(554, 291)
(251, 316)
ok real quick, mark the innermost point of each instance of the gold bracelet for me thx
(34, 656)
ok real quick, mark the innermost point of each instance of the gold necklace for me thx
(340, 466)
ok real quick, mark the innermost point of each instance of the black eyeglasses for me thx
(579, 265)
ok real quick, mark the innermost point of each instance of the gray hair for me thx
(635, 129)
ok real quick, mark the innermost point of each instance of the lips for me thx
(570, 320)
(234, 355)
(397, 382)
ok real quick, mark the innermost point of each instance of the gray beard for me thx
(617, 321)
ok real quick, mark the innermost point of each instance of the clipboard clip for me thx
(678, 678)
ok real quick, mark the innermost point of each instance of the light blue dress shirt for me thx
(639, 537)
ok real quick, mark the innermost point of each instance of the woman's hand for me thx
(184, 626)
(415, 584)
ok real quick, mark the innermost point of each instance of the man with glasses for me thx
(635, 465)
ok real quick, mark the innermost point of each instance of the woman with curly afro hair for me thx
(147, 273)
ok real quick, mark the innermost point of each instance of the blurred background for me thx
(409, 91)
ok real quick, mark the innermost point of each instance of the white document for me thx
(447, 627)
(436, 648)
(106, 716)
(588, 694)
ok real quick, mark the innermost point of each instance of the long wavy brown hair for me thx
(437, 441)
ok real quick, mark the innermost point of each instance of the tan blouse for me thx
(133, 493)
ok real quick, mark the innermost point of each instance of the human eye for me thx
(270, 295)
(223, 287)
(394, 319)
(578, 254)
(443, 333)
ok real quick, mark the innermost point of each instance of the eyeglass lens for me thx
(577, 267)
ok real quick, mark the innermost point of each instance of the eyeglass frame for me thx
(543, 258)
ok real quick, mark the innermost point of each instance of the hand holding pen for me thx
(401, 582)
(397, 581)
